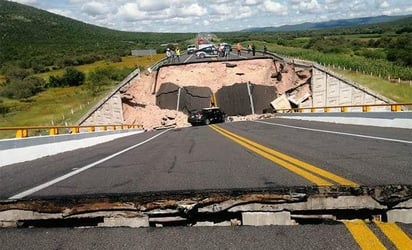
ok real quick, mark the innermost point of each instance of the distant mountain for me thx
(329, 24)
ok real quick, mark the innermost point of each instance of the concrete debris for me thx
(303, 74)
(298, 100)
(209, 74)
(131, 100)
(267, 218)
(281, 102)
(277, 206)
(231, 65)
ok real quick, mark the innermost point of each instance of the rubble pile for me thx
(139, 100)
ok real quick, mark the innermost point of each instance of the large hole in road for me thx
(237, 99)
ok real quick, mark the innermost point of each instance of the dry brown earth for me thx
(214, 75)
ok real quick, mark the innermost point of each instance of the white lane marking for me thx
(188, 58)
(337, 133)
(79, 170)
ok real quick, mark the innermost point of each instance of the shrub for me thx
(22, 88)
(73, 77)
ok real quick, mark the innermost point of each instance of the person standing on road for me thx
(168, 55)
(227, 51)
(253, 49)
(249, 48)
(265, 49)
(178, 54)
(239, 49)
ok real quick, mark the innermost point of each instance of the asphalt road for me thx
(185, 58)
(198, 158)
(229, 155)
(270, 237)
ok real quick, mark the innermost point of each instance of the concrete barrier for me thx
(26, 149)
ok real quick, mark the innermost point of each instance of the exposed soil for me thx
(140, 105)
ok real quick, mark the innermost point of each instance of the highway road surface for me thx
(234, 155)
(217, 157)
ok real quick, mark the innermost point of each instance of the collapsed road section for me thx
(235, 207)
(241, 87)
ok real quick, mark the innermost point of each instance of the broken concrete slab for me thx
(281, 102)
(267, 218)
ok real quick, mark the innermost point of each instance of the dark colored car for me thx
(206, 116)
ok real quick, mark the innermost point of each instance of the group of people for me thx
(223, 50)
(252, 48)
(173, 55)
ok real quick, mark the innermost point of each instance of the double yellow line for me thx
(366, 238)
(314, 174)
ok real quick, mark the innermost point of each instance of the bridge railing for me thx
(23, 132)
(393, 107)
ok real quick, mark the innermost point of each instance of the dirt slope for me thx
(139, 102)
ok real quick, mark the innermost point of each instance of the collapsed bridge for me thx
(240, 87)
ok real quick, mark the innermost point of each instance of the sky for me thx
(214, 15)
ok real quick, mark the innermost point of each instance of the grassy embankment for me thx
(61, 106)
(398, 92)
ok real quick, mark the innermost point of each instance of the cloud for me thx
(95, 8)
(307, 6)
(153, 5)
(214, 15)
(130, 12)
(274, 7)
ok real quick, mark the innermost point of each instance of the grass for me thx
(398, 92)
(63, 106)
(127, 62)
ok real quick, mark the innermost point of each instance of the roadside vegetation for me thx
(53, 69)
(380, 49)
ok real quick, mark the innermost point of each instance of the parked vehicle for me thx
(210, 51)
(206, 116)
(191, 49)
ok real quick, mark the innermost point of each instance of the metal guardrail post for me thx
(396, 108)
(22, 133)
(53, 131)
(252, 107)
(366, 108)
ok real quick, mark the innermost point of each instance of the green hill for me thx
(34, 38)
(333, 24)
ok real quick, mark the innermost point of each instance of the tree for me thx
(23, 88)
(3, 109)
(14, 74)
(96, 79)
(73, 77)
(55, 81)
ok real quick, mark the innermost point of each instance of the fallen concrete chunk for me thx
(231, 65)
(267, 218)
(400, 215)
(281, 102)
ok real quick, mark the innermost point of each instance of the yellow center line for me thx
(365, 238)
(288, 162)
(396, 235)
